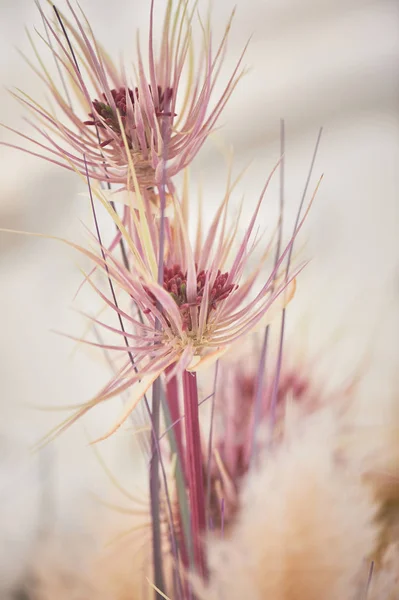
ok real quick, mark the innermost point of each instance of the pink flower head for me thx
(151, 115)
(209, 299)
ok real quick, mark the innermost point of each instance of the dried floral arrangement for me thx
(260, 497)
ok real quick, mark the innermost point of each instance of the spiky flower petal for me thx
(202, 307)
(152, 117)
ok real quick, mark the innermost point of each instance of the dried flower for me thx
(305, 527)
(153, 118)
(201, 309)
(371, 439)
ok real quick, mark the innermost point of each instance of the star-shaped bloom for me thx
(158, 116)
(211, 295)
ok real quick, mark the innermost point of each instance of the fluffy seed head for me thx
(305, 530)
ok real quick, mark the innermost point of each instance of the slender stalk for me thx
(370, 576)
(172, 395)
(155, 458)
(181, 488)
(156, 410)
(266, 338)
(194, 463)
(276, 380)
(210, 441)
(155, 489)
(172, 530)
(173, 414)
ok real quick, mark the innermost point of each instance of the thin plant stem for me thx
(173, 423)
(155, 491)
(181, 488)
(111, 285)
(56, 61)
(173, 536)
(369, 578)
(210, 441)
(195, 473)
(174, 416)
(172, 395)
(273, 403)
(263, 358)
(156, 409)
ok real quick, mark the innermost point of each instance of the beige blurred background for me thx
(331, 63)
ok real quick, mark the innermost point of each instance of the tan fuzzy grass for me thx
(382, 466)
(384, 583)
(372, 440)
(306, 528)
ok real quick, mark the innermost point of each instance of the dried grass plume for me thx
(306, 529)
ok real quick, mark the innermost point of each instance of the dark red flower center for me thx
(175, 282)
(121, 99)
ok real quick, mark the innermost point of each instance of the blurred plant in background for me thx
(258, 486)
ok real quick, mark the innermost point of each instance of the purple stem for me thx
(155, 491)
(181, 418)
(195, 475)
(370, 576)
(282, 327)
(210, 441)
(263, 359)
(172, 395)
(156, 413)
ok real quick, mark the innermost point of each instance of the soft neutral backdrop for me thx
(330, 63)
